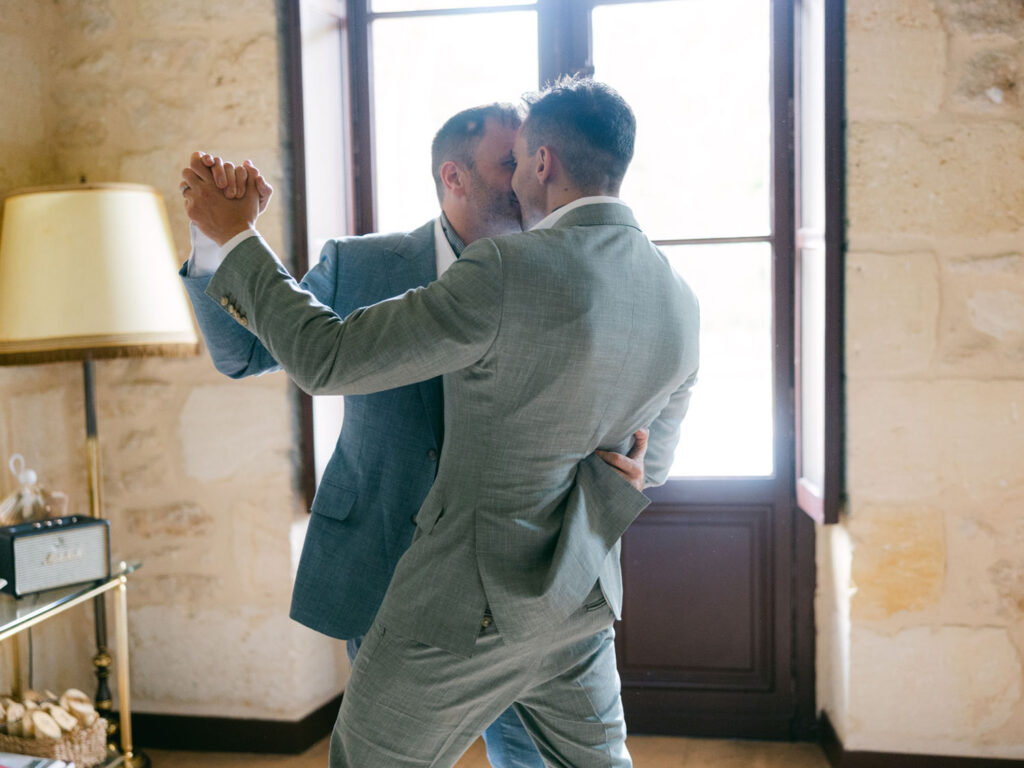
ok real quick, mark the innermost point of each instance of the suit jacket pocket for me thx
(428, 516)
(333, 501)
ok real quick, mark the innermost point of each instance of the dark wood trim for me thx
(823, 503)
(805, 576)
(795, 560)
(835, 254)
(227, 734)
(292, 34)
(295, 140)
(361, 88)
(838, 757)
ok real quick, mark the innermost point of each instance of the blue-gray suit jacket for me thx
(386, 456)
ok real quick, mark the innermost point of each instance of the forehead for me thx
(497, 138)
(520, 140)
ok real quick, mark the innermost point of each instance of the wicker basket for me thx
(85, 746)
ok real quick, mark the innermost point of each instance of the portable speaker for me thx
(45, 554)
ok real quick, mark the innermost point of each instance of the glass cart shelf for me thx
(19, 614)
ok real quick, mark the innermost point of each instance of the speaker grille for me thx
(66, 556)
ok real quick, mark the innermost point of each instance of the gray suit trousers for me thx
(409, 704)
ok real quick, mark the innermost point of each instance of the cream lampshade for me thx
(88, 271)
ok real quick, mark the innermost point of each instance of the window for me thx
(710, 183)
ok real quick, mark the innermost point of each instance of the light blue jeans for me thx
(508, 743)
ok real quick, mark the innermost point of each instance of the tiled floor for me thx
(647, 751)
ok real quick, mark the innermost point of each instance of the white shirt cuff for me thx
(230, 245)
(203, 258)
(206, 255)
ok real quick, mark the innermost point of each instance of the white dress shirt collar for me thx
(443, 251)
(552, 218)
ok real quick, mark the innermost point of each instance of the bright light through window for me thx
(420, 82)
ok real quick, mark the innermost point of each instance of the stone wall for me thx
(921, 603)
(199, 472)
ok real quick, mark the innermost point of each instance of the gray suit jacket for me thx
(386, 456)
(552, 343)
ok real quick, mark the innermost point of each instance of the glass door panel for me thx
(416, 59)
(696, 73)
(728, 430)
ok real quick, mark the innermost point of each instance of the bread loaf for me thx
(61, 716)
(83, 711)
(44, 726)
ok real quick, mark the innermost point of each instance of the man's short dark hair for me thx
(589, 126)
(459, 136)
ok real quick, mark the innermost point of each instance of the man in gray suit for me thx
(386, 456)
(552, 344)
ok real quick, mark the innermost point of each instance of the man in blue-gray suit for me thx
(386, 456)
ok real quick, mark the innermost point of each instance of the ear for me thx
(451, 177)
(545, 164)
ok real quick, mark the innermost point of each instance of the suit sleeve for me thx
(235, 351)
(661, 445)
(426, 332)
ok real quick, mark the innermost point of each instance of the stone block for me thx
(172, 521)
(938, 179)
(1007, 575)
(872, 15)
(81, 132)
(244, 13)
(987, 81)
(42, 426)
(17, 16)
(184, 592)
(984, 565)
(167, 58)
(92, 66)
(931, 690)
(892, 310)
(900, 559)
(983, 17)
(895, 61)
(216, 662)
(981, 328)
(237, 429)
(24, 110)
(918, 441)
(89, 18)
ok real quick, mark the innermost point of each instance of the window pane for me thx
(728, 430)
(390, 6)
(696, 72)
(496, 60)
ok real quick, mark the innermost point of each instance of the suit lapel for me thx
(416, 266)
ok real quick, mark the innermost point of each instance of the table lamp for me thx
(88, 271)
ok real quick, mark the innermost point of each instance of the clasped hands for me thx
(221, 198)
